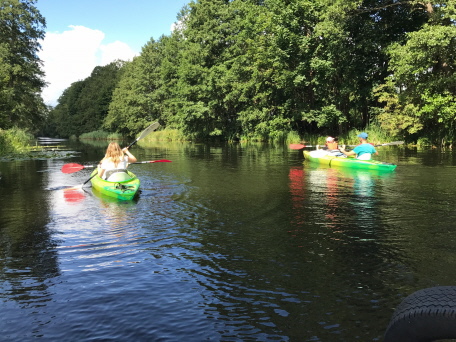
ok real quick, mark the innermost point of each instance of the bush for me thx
(293, 137)
(95, 135)
(376, 136)
(14, 140)
(115, 136)
(166, 135)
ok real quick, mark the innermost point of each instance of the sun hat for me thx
(329, 139)
(362, 135)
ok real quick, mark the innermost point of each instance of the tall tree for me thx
(258, 69)
(350, 58)
(141, 94)
(420, 94)
(21, 77)
(84, 105)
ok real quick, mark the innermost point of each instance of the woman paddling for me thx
(115, 163)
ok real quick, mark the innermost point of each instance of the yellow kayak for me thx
(323, 157)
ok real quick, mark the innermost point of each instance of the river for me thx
(225, 243)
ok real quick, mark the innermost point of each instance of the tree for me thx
(255, 69)
(21, 77)
(84, 105)
(350, 58)
(423, 77)
(146, 86)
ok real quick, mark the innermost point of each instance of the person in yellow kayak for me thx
(363, 151)
(113, 167)
(332, 147)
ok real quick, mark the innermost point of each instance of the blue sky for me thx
(81, 34)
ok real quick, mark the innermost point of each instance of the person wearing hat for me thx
(332, 147)
(363, 151)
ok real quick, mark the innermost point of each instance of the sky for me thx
(83, 34)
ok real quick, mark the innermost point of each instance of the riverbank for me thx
(17, 144)
(14, 141)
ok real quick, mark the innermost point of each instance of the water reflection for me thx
(348, 197)
(28, 257)
(297, 191)
(72, 195)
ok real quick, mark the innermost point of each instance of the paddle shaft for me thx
(301, 146)
(145, 133)
(74, 167)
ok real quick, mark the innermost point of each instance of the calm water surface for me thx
(226, 243)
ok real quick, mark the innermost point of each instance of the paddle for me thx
(301, 146)
(73, 167)
(144, 133)
(391, 143)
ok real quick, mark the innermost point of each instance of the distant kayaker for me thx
(363, 151)
(116, 160)
(332, 147)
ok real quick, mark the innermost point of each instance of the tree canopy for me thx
(251, 69)
(83, 107)
(21, 77)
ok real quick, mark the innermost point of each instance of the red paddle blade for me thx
(72, 167)
(296, 146)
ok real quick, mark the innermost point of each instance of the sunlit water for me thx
(229, 243)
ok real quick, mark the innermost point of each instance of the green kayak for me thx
(322, 157)
(124, 188)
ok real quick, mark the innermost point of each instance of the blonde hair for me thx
(114, 153)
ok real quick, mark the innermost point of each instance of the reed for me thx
(292, 137)
(376, 136)
(100, 135)
(14, 141)
(166, 135)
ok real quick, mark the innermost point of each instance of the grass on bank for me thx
(166, 135)
(376, 136)
(17, 144)
(14, 141)
(100, 135)
(162, 135)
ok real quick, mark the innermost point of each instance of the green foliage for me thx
(166, 134)
(277, 70)
(100, 135)
(327, 116)
(21, 78)
(395, 118)
(115, 136)
(84, 105)
(132, 107)
(292, 137)
(423, 141)
(14, 140)
(420, 94)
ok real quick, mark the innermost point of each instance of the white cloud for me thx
(116, 50)
(179, 26)
(72, 55)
